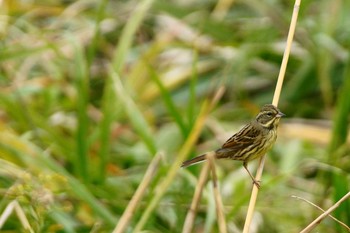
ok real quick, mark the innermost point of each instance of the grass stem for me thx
(218, 200)
(191, 214)
(275, 100)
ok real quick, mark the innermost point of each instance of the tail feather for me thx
(193, 161)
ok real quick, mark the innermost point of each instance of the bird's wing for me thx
(245, 137)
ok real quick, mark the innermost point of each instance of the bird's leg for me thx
(256, 182)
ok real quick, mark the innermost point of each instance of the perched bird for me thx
(251, 142)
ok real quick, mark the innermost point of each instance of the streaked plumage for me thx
(251, 142)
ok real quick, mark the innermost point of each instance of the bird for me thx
(251, 142)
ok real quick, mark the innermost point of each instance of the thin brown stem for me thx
(191, 214)
(316, 206)
(318, 220)
(217, 196)
(125, 218)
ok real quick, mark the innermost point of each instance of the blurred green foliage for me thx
(92, 90)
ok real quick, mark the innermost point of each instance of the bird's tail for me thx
(193, 161)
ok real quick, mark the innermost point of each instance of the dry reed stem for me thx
(317, 221)
(218, 201)
(13, 206)
(125, 218)
(338, 221)
(191, 214)
(185, 150)
(275, 100)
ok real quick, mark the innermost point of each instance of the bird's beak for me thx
(280, 114)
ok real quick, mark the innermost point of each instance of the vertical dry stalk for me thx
(317, 221)
(125, 218)
(191, 214)
(275, 100)
(13, 206)
(218, 201)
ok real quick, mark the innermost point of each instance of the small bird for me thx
(251, 142)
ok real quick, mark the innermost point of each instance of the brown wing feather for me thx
(238, 142)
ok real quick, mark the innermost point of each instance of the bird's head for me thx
(269, 116)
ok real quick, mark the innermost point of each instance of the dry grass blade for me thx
(191, 214)
(217, 196)
(317, 221)
(14, 206)
(125, 218)
(137, 118)
(340, 222)
(275, 100)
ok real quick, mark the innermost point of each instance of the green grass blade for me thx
(169, 103)
(193, 85)
(105, 129)
(339, 136)
(93, 46)
(340, 129)
(108, 98)
(63, 219)
(128, 33)
(136, 118)
(13, 54)
(82, 85)
(341, 188)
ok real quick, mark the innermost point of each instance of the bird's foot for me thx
(257, 183)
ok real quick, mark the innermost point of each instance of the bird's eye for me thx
(269, 114)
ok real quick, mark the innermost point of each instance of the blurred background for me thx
(92, 90)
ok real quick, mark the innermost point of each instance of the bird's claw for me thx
(257, 183)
